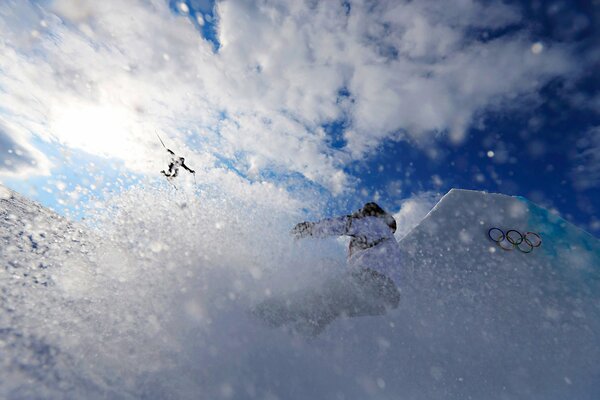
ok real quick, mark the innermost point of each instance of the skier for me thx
(174, 165)
(368, 288)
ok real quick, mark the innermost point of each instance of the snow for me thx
(150, 299)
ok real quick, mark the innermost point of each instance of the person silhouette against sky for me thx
(174, 165)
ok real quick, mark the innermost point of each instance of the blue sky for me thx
(313, 105)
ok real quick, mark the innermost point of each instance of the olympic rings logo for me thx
(516, 240)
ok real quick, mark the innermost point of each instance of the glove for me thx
(302, 230)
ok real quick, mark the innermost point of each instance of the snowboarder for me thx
(368, 288)
(174, 165)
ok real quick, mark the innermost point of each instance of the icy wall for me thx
(151, 300)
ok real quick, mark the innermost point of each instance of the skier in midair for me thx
(369, 287)
(174, 165)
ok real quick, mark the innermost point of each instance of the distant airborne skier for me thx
(174, 165)
(367, 289)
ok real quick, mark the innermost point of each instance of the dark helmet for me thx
(373, 210)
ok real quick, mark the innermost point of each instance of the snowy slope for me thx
(153, 307)
(33, 241)
(70, 323)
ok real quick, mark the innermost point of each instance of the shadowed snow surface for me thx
(151, 298)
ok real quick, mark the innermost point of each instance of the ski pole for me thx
(161, 142)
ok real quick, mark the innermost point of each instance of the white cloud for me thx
(18, 158)
(413, 210)
(586, 170)
(74, 69)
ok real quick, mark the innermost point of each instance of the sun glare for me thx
(100, 130)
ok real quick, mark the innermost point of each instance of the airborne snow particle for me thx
(383, 343)
(200, 19)
(4, 193)
(60, 185)
(568, 381)
(156, 247)
(183, 7)
(537, 48)
(490, 154)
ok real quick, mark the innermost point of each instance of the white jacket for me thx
(373, 244)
